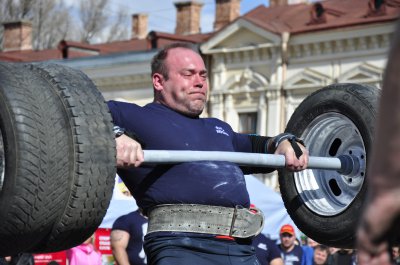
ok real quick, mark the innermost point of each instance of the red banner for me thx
(103, 244)
(44, 259)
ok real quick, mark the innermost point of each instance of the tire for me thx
(336, 120)
(32, 148)
(92, 145)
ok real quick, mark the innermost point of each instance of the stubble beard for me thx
(195, 108)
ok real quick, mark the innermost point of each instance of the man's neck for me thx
(287, 249)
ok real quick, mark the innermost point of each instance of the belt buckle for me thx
(235, 213)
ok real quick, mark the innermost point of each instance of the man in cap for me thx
(291, 253)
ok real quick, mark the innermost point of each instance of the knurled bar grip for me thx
(243, 159)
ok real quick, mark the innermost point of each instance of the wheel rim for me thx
(327, 192)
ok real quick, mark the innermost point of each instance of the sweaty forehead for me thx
(184, 58)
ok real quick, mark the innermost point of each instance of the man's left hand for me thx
(292, 162)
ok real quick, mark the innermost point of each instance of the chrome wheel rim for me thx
(327, 192)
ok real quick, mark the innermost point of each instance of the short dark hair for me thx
(158, 61)
(322, 248)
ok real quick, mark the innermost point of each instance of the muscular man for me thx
(196, 210)
(127, 239)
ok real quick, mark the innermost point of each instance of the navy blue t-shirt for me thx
(266, 249)
(207, 182)
(136, 225)
(293, 257)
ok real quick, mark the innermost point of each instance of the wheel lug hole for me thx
(350, 152)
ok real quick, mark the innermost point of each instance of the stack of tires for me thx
(57, 158)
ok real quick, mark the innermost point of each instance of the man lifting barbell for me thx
(199, 211)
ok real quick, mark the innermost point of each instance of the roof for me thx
(297, 18)
(73, 49)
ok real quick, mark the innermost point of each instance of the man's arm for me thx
(276, 261)
(129, 152)
(293, 163)
(282, 144)
(119, 243)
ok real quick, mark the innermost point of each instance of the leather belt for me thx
(195, 218)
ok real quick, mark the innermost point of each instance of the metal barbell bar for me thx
(344, 164)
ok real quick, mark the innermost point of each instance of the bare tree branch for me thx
(52, 21)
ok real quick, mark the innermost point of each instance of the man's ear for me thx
(158, 81)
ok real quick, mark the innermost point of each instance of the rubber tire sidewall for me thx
(359, 104)
(91, 180)
(31, 158)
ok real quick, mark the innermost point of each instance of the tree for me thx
(52, 21)
(98, 24)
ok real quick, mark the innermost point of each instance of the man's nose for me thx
(199, 81)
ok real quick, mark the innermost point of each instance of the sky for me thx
(162, 13)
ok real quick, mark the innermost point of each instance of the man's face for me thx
(396, 252)
(186, 88)
(320, 256)
(287, 240)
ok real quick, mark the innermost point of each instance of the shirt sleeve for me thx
(274, 250)
(114, 110)
(121, 224)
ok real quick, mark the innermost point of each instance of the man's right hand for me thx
(129, 152)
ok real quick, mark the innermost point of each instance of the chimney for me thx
(226, 11)
(17, 36)
(285, 2)
(139, 26)
(188, 17)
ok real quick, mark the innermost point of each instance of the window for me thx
(248, 122)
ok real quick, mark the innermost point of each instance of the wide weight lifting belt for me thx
(195, 218)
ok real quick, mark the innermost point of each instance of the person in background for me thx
(291, 253)
(343, 257)
(379, 225)
(396, 253)
(85, 254)
(127, 236)
(312, 243)
(267, 251)
(18, 259)
(308, 250)
(321, 254)
(308, 255)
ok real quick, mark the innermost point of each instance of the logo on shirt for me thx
(220, 130)
(262, 246)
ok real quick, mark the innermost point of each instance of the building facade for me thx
(261, 64)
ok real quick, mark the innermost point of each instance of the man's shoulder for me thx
(132, 217)
(122, 104)
(216, 122)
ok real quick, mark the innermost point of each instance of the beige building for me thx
(267, 61)
(262, 64)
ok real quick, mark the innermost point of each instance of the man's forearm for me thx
(121, 256)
